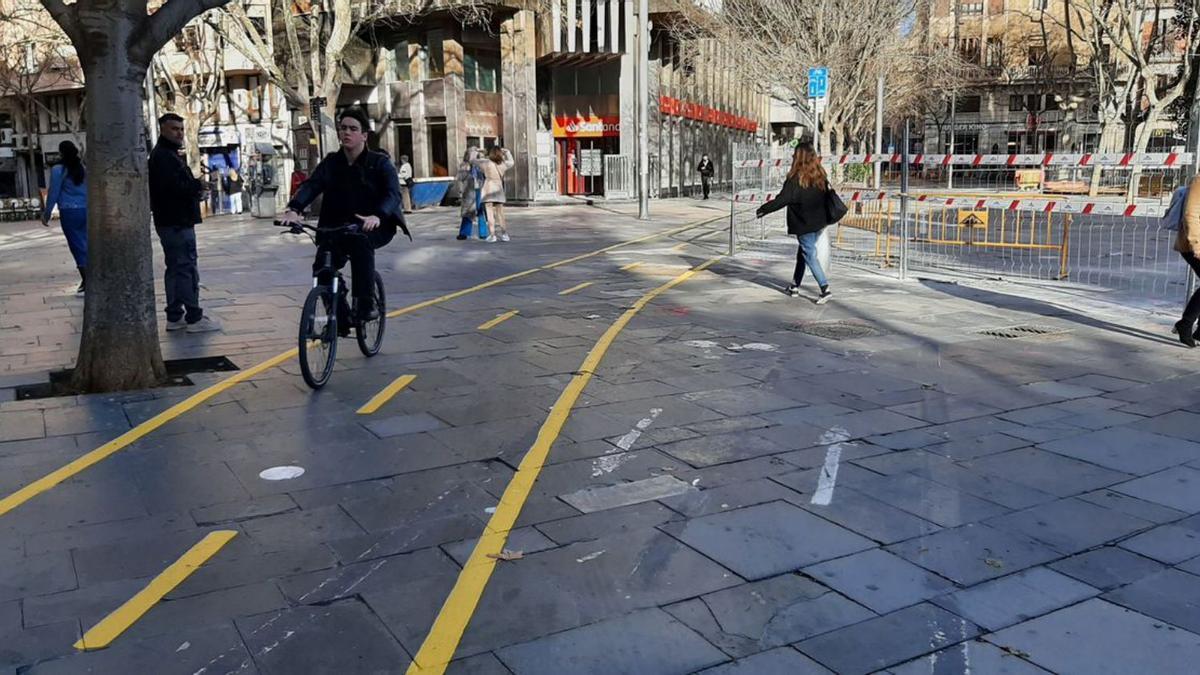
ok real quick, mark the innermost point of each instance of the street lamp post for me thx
(643, 105)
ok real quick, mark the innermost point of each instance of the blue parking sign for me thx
(818, 82)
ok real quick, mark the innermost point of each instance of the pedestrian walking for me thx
(811, 206)
(68, 191)
(1187, 242)
(469, 181)
(499, 161)
(705, 169)
(405, 172)
(235, 191)
(175, 197)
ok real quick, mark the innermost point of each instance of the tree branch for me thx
(166, 24)
(65, 17)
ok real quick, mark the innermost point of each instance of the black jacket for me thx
(705, 167)
(806, 211)
(174, 191)
(369, 187)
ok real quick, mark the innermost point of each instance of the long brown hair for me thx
(806, 168)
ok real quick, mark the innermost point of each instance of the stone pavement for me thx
(750, 484)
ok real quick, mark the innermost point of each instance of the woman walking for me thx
(470, 179)
(805, 194)
(1187, 242)
(499, 160)
(68, 191)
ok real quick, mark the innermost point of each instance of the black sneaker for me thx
(461, 237)
(1184, 330)
(825, 296)
(793, 290)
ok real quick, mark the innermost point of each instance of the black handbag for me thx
(835, 208)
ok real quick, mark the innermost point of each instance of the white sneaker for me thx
(173, 326)
(491, 239)
(504, 237)
(204, 325)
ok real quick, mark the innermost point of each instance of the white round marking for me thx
(281, 473)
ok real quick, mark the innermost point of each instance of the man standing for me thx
(405, 173)
(175, 197)
(705, 168)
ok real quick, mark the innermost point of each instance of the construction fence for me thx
(1106, 242)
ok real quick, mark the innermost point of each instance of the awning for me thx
(264, 148)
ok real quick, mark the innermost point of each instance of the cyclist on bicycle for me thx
(359, 185)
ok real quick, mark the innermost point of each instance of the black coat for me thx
(369, 187)
(174, 191)
(705, 167)
(806, 212)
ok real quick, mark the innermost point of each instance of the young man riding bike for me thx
(359, 185)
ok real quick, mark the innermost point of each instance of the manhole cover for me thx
(1025, 331)
(838, 330)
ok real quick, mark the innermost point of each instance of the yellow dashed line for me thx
(498, 320)
(386, 394)
(580, 287)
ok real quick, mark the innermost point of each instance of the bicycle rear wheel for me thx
(370, 333)
(318, 337)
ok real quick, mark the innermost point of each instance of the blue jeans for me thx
(74, 227)
(806, 254)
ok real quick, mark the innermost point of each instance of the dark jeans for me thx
(359, 249)
(706, 185)
(182, 279)
(74, 227)
(806, 254)
(1192, 311)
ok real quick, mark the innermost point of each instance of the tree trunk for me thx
(119, 348)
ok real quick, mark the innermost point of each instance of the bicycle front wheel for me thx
(370, 333)
(318, 337)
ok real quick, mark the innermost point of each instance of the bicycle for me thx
(318, 334)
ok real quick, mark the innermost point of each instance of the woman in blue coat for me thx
(68, 191)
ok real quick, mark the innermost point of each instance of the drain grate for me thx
(1024, 331)
(838, 330)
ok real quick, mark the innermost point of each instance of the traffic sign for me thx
(972, 218)
(818, 82)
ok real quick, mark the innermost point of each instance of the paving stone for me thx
(1176, 488)
(333, 584)
(85, 418)
(1107, 568)
(25, 647)
(606, 471)
(1061, 390)
(10, 616)
(290, 530)
(945, 409)
(979, 446)
(235, 567)
(888, 640)
(233, 512)
(526, 540)
(146, 527)
(1169, 595)
(1119, 641)
(767, 539)
(931, 501)
(623, 494)
(815, 457)
(1046, 471)
(417, 535)
(649, 641)
(84, 605)
(781, 661)
(205, 610)
(1070, 525)
(16, 426)
(991, 488)
(610, 521)
(217, 649)
(37, 575)
(895, 463)
(556, 590)
(1170, 544)
(1132, 506)
(344, 637)
(879, 580)
(721, 449)
(729, 425)
(760, 615)
(1105, 383)
(740, 401)
(732, 496)
(1003, 602)
(973, 553)
(484, 664)
(973, 656)
(871, 518)
(1179, 424)
(399, 425)
(1127, 450)
(906, 440)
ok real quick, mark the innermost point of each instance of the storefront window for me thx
(481, 70)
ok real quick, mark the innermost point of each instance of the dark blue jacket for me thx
(174, 191)
(368, 187)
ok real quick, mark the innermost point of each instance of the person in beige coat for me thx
(1188, 245)
(498, 161)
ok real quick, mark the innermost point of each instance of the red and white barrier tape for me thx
(1145, 160)
(1080, 206)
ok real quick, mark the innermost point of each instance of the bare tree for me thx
(191, 81)
(115, 41)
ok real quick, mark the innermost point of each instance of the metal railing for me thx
(545, 177)
(620, 177)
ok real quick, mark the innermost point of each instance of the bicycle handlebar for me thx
(299, 228)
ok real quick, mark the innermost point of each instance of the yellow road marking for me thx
(111, 626)
(386, 394)
(439, 646)
(580, 287)
(632, 265)
(679, 247)
(488, 325)
(119, 443)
